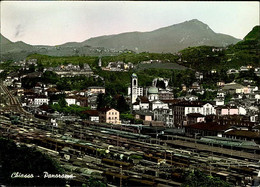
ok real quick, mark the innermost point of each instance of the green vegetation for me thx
(26, 161)
(198, 179)
(63, 83)
(92, 182)
(245, 52)
(207, 96)
(202, 58)
(118, 102)
(254, 34)
(130, 117)
(160, 66)
(54, 61)
(72, 109)
(135, 58)
(6, 66)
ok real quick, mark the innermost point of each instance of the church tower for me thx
(99, 62)
(134, 88)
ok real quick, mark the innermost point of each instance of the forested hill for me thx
(204, 58)
(254, 34)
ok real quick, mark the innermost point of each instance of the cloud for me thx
(19, 31)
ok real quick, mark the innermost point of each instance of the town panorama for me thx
(157, 113)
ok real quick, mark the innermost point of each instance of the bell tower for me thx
(134, 87)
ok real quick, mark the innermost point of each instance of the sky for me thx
(58, 22)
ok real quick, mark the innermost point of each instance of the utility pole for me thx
(121, 173)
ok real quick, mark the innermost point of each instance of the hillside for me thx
(4, 40)
(167, 39)
(204, 58)
(254, 34)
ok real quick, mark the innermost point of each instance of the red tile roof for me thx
(143, 99)
(91, 112)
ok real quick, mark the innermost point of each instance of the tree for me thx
(103, 100)
(173, 79)
(160, 84)
(26, 161)
(122, 106)
(227, 98)
(62, 102)
(50, 77)
(198, 179)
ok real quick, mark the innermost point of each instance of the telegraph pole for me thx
(121, 173)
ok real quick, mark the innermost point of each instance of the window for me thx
(134, 82)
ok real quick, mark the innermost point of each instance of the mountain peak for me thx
(194, 20)
(167, 39)
(198, 23)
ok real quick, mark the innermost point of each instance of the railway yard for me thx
(124, 155)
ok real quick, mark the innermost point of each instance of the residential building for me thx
(70, 100)
(226, 110)
(219, 102)
(142, 103)
(96, 90)
(144, 115)
(157, 104)
(195, 118)
(235, 88)
(164, 115)
(199, 75)
(109, 115)
(92, 115)
(165, 95)
(240, 121)
(40, 100)
(71, 70)
(181, 109)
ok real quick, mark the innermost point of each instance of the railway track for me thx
(14, 104)
(96, 137)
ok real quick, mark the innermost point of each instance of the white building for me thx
(241, 110)
(70, 101)
(157, 104)
(40, 101)
(164, 115)
(219, 101)
(181, 110)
